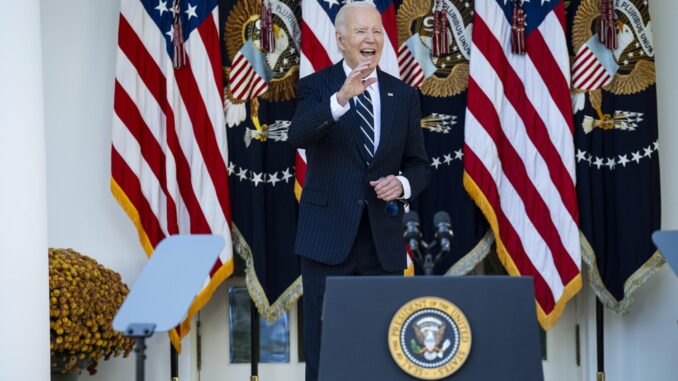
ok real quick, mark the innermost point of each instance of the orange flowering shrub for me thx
(84, 298)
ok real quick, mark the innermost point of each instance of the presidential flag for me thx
(519, 145)
(617, 158)
(433, 56)
(168, 157)
(260, 58)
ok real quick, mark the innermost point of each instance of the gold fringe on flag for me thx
(547, 321)
(224, 271)
(632, 284)
(288, 298)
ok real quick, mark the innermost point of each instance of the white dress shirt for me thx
(338, 111)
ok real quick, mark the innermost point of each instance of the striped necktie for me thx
(363, 106)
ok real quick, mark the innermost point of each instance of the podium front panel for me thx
(500, 311)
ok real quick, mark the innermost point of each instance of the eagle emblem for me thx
(429, 338)
(627, 69)
(435, 45)
(262, 40)
(429, 332)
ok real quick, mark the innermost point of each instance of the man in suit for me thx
(361, 131)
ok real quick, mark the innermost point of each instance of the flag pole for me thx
(600, 340)
(254, 340)
(174, 363)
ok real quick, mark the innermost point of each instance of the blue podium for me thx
(449, 328)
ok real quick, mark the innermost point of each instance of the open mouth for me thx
(368, 53)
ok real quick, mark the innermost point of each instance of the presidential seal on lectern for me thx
(429, 338)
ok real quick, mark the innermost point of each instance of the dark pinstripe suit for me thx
(338, 201)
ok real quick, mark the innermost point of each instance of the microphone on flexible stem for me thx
(443, 226)
(443, 235)
(412, 234)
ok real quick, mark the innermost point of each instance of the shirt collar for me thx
(348, 70)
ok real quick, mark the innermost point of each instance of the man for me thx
(365, 150)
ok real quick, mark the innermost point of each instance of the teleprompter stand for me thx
(667, 243)
(166, 288)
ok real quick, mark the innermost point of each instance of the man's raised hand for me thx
(355, 84)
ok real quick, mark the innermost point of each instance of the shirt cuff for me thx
(338, 110)
(407, 192)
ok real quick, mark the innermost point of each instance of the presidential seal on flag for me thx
(435, 45)
(262, 41)
(625, 69)
(429, 338)
(267, 35)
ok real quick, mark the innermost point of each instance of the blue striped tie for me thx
(363, 106)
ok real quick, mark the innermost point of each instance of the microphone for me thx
(441, 222)
(412, 234)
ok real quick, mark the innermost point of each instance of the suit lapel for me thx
(387, 111)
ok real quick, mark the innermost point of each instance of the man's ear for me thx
(340, 41)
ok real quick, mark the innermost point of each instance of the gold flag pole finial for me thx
(600, 376)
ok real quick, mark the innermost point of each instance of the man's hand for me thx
(388, 188)
(354, 84)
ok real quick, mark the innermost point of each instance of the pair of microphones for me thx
(443, 238)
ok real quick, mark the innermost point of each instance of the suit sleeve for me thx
(313, 116)
(415, 165)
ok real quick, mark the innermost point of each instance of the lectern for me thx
(450, 328)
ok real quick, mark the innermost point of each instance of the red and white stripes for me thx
(169, 146)
(519, 152)
(410, 70)
(245, 83)
(588, 73)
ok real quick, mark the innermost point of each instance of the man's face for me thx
(363, 39)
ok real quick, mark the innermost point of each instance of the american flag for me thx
(519, 150)
(169, 148)
(319, 50)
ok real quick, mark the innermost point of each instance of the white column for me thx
(24, 290)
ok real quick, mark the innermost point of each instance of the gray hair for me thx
(340, 20)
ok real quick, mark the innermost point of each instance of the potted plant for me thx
(84, 298)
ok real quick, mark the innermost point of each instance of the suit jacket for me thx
(336, 186)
